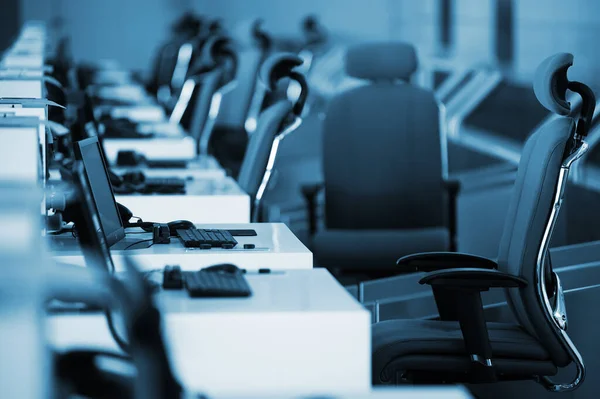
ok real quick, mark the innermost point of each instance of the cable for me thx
(149, 278)
(124, 346)
(121, 343)
(121, 292)
(146, 226)
(139, 242)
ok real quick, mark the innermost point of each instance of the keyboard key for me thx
(206, 239)
(216, 284)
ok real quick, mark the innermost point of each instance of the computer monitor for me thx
(89, 230)
(93, 239)
(89, 152)
(86, 124)
(86, 115)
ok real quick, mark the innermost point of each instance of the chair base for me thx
(429, 369)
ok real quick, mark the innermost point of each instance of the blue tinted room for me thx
(264, 199)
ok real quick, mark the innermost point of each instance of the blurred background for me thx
(517, 33)
(478, 56)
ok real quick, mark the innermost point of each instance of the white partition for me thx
(37, 110)
(22, 88)
(23, 61)
(19, 153)
(22, 336)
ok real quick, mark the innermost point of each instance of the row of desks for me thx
(300, 333)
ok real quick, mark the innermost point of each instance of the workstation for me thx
(252, 201)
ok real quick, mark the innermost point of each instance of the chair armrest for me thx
(79, 370)
(452, 188)
(431, 261)
(460, 290)
(310, 192)
(473, 279)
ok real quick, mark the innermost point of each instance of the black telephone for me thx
(161, 234)
(136, 182)
(119, 185)
(125, 214)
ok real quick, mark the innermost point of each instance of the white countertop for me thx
(276, 247)
(300, 332)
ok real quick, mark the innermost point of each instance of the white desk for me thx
(22, 88)
(27, 108)
(35, 61)
(277, 248)
(402, 392)
(17, 73)
(132, 93)
(160, 129)
(135, 113)
(299, 333)
(205, 201)
(203, 167)
(153, 148)
(113, 77)
(20, 150)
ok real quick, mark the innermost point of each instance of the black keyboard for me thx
(165, 181)
(121, 129)
(206, 239)
(166, 164)
(162, 186)
(216, 284)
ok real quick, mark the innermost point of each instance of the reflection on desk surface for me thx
(272, 236)
(276, 247)
(407, 392)
(283, 291)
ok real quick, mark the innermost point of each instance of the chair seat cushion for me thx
(394, 339)
(375, 249)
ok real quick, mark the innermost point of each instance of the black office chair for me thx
(462, 346)
(183, 29)
(231, 134)
(314, 31)
(274, 123)
(176, 59)
(384, 162)
(78, 372)
(194, 109)
(198, 110)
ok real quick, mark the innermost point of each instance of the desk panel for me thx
(300, 333)
(277, 248)
(205, 201)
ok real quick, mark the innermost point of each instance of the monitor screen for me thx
(89, 152)
(90, 233)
